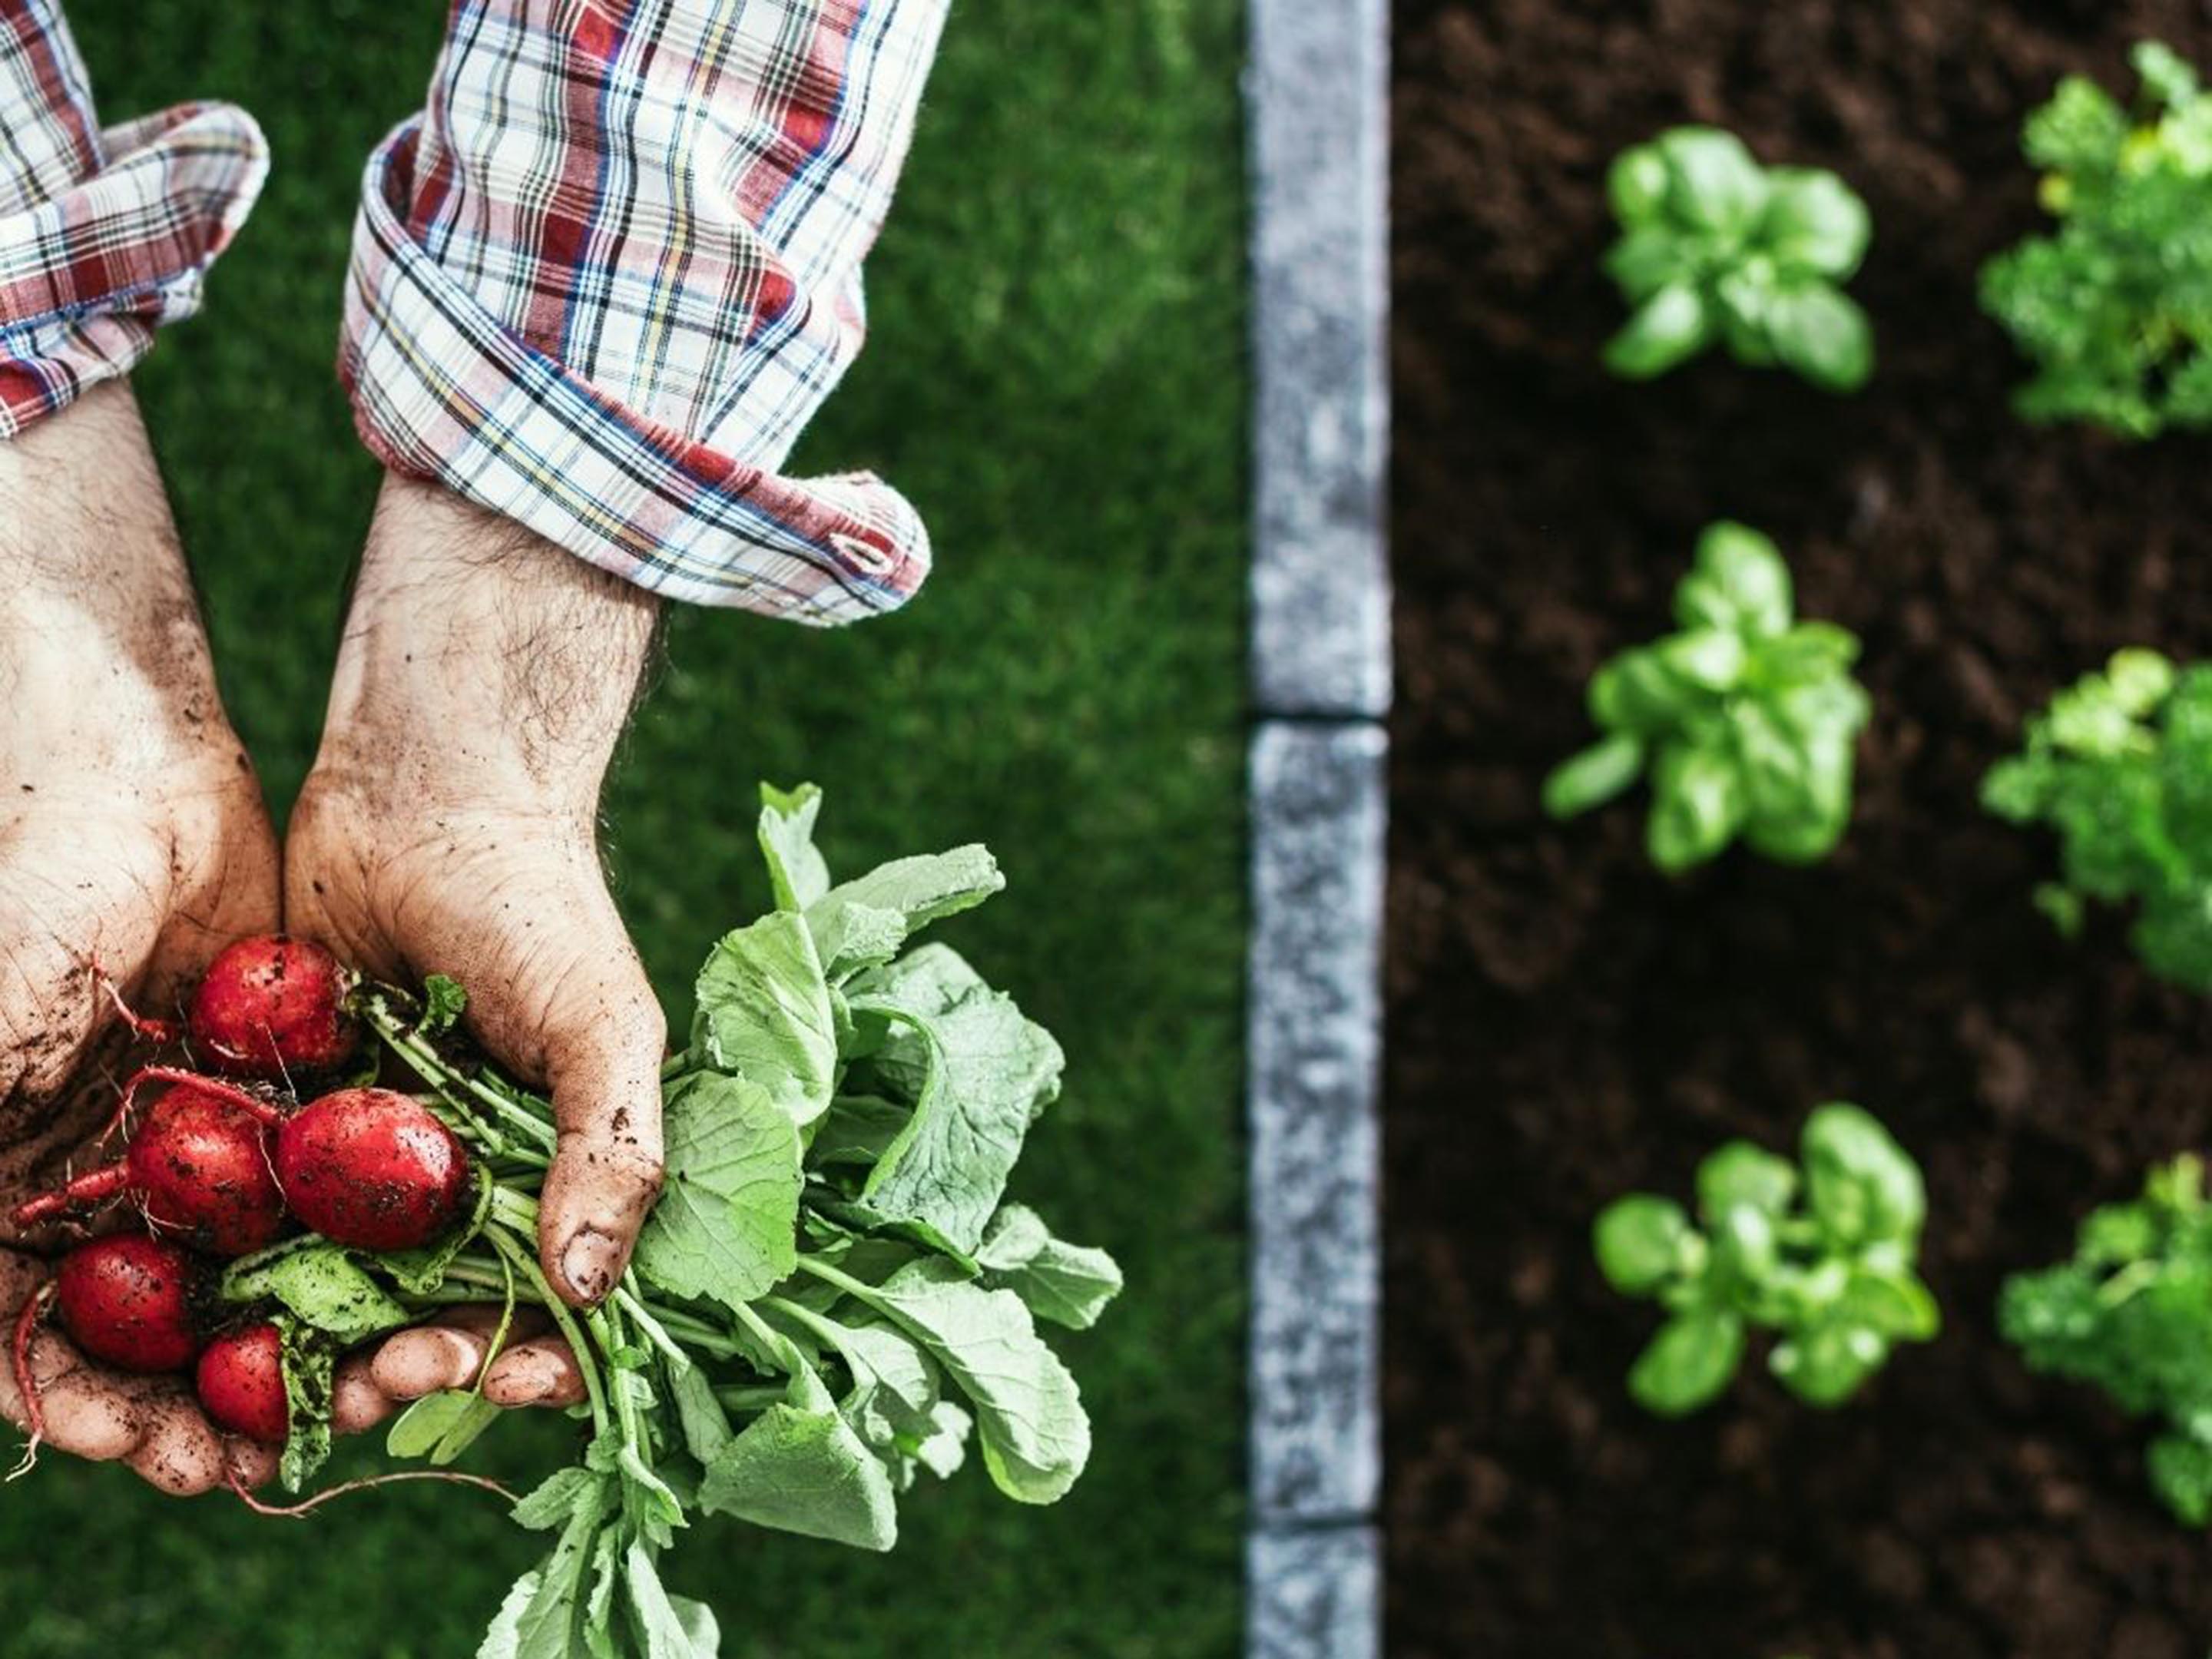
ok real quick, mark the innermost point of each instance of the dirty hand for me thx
(449, 827)
(533, 1366)
(132, 835)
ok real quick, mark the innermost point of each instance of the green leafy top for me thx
(2131, 1312)
(2115, 306)
(2120, 765)
(831, 1298)
(1822, 1252)
(1745, 719)
(1714, 246)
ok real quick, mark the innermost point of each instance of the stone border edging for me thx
(1318, 118)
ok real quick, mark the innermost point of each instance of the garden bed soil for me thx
(1565, 1025)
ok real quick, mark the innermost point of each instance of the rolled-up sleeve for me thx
(602, 281)
(104, 235)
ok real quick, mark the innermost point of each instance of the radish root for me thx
(34, 1413)
(302, 1510)
(255, 1105)
(143, 1026)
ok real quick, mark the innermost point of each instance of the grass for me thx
(1057, 378)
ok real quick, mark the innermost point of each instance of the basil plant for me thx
(1715, 248)
(1746, 719)
(1821, 1252)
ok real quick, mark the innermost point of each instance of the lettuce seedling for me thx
(1824, 1257)
(2116, 307)
(2131, 1312)
(1746, 719)
(2120, 765)
(1714, 248)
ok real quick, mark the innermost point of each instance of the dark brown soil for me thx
(1567, 1026)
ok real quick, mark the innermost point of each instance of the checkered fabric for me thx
(104, 235)
(601, 282)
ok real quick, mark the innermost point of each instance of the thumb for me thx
(603, 1052)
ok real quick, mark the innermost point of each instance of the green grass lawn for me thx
(1057, 378)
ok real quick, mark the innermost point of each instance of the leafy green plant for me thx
(832, 1302)
(2116, 307)
(1746, 719)
(1714, 248)
(2131, 1312)
(2120, 765)
(1824, 1257)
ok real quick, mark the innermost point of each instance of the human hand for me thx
(133, 844)
(449, 827)
(532, 1367)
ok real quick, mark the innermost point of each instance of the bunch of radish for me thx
(832, 1300)
(222, 1163)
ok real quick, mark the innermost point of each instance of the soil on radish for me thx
(198, 1165)
(239, 1380)
(1565, 1025)
(133, 1302)
(272, 1005)
(373, 1169)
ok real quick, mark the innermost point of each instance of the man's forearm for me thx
(100, 642)
(483, 659)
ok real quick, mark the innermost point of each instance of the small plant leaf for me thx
(1637, 184)
(1636, 692)
(1688, 1363)
(1715, 184)
(1861, 1186)
(1699, 805)
(1815, 221)
(1593, 777)
(1642, 1242)
(1826, 1365)
(1822, 334)
(1738, 583)
(1739, 1174)
(1670, 327)
(1710, 659)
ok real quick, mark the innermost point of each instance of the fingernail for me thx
(591, 1263)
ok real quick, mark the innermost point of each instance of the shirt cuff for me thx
(88, 272)
(443, 389)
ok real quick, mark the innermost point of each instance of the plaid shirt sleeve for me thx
(104, 235)
(601, 282)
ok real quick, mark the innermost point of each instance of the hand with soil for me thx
(449, 827)
(133, 846)
(533, 1367)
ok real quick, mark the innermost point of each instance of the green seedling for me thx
(1746, 719)
(1821, 1252)
(2131, 1314)
(2115, 306)
(2120, 766)
(1715, 249)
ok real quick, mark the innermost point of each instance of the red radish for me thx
(197, 1165)
(373, 1169)
(131, 1301)
(271, 1006)
(242, 1382)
